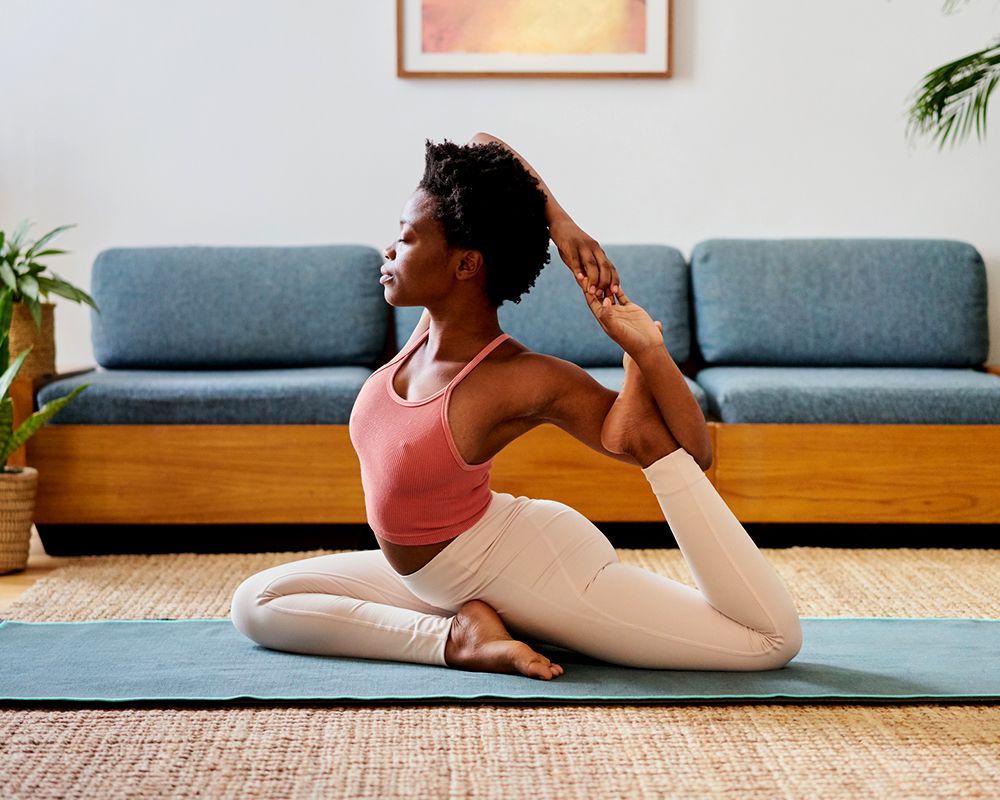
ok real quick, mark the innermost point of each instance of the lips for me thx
(386, 277)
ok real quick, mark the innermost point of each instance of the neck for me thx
(454, 333)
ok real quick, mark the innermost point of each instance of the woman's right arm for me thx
(580, 252)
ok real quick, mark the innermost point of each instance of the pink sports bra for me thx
(418, 489)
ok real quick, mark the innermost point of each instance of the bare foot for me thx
(480, 642)
(634, 424)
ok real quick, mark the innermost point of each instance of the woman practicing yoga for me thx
(464, 574)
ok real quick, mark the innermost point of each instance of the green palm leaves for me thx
(954, 96)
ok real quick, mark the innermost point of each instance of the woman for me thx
(461, 567)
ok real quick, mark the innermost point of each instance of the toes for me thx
(541, 667)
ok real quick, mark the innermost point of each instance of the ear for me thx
(469, 265)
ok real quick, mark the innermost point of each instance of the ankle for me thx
(646, 461)
(654, 446)
(453, 645)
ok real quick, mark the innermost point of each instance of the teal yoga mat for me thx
(844, 660)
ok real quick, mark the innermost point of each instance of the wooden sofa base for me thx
(189, 474)
(859, 473)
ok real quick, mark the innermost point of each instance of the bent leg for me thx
(344, 604)
(741, 619)
(734, 577)
(553, 576)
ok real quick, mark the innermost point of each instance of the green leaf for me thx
(11, 372)
(29, 287)
(951, 5)
(46, 238)
(3, 237)
(36, 311)
(30, 426)
(58, 286)
(46, 285)
(6, 421)
(7, 275)
(64, 289)
(88, 300)
(954, 97)
(19, 231)
(50, 253)
(6, 310)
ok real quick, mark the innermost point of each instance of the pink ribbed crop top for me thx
(418, 489)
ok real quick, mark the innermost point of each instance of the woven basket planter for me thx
(24, 334)
(17, 508)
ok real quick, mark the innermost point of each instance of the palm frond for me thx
(954, 96)
(952, 5)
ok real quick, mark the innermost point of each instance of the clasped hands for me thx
(625, 321)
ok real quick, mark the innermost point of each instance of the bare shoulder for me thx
(538, 389)
(546, 388)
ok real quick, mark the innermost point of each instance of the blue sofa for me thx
(846, 379)
(842, 380)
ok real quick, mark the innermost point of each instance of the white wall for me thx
(152, 122)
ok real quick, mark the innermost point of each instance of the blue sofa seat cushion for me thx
(297, 396)
(840, 302)
(553, 317)
(238, 307)
(614, 378)
(884, 395)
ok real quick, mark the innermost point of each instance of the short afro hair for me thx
(487, 201)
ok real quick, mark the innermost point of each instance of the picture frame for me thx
(534, 39)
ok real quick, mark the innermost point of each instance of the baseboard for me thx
(79, 540)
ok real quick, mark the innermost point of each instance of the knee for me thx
(786, 644)
(243, 606)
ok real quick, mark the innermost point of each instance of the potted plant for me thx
(18, 485)
(22, 274)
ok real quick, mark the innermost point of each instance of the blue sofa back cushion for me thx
(231, 307)
(553, 317)
(840, 302)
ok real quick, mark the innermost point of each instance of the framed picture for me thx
(533, 38)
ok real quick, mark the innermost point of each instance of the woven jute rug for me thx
(472, 751)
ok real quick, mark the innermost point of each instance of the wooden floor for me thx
(14, 584)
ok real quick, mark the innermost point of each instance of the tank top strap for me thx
(482, 354)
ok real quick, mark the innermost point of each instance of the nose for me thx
(389, 252)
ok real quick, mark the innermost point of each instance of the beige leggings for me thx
(553, 577)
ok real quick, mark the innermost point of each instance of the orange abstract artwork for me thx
(533, 26)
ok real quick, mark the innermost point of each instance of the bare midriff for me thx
(408, 558)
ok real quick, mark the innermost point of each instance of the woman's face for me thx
(417, 262)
